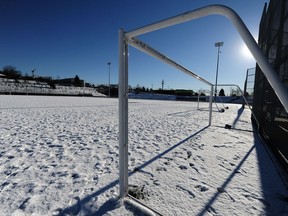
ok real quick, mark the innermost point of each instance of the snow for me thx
(10, 86)
(59, 156)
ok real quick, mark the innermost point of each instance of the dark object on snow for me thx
(220, 190)
(137, 191)
(221, 110)
(227, 126)
(136, 169)
(227, 107)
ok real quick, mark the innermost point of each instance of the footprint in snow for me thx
(193, 167)
(156, 182)
(202, 188)
(180, 188)
(236, 157)
(211, 210)
(222, 190)
(183, 167)
(198, 157)
(189, 154)
(75, 176)
(23, 204)
(159, 169)
(109, 161)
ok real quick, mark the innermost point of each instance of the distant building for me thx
(68, 82)
(273, 40)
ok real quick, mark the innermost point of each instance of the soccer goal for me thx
(129, 38)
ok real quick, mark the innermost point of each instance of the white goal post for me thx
(129, 38)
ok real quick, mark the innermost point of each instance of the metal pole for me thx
(198, 99)
(217, 72)
(245, 83)
(266, 67)
(218, 44)
(155, 53)
(245, 88)
(123, 114)
(109, 64)
(210, 105)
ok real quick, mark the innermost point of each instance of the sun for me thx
(246, 52)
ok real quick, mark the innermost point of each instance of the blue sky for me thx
(64, 38)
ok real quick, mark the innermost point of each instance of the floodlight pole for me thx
(109, 64)
(218, 44)
(33, 72)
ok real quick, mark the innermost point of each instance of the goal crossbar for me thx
(126, 38)
(155, 53)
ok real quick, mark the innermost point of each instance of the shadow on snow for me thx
(270, 198)
(109, 205)
(274, 193)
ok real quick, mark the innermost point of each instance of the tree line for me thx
(11, 72)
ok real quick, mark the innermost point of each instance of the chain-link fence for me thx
(249, 85)
(273, 40)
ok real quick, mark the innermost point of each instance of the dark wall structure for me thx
(273, 40)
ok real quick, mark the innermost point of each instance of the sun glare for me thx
(246, 52)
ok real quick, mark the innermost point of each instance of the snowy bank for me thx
(33, 87)
(218, 99)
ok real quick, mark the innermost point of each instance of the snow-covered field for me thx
(59, 156)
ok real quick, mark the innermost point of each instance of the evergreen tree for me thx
(221, 92)
(77, 82)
